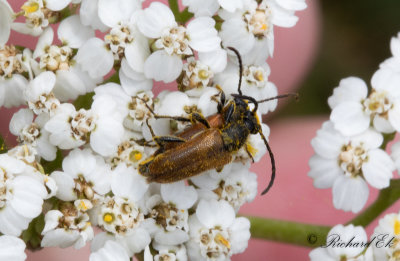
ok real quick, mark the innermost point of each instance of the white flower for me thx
(58, 5)
(234, 184)
(123, 214)
(386, 236)
(112, 251)
(250, 29)
(343, 234)
(166, 252)
(215, 232)
(36, 18)
(12, 83)
(21, 196)
(173, 41)
(170, 212)
(12, 248)
(71, 80)
(6, 17)
(39, 95)
(33, 133)
(352, 109)
(347, 163)
(84, 176)
(102, 123)
(67, 227)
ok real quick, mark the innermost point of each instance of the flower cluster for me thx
(350, 147)
(102, 140)
(351, 243)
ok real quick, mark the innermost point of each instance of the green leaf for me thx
(50, 166)
(84, 101)
(3, 146)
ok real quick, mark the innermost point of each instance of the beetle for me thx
(208, 143)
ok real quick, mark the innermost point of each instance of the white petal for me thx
(95, 58)
(394, 116)
(45, 40)
(202, 8)
(179, 194)
(57, 5)
(350, 89)
(133, 82)
(19, 120)
(107, 136)
(395, 46)
(324, 171)
(240, 231)
(369, 139)
(161, 66)
(113, 12)
(89, 15)
(12, 248)
(136, 55)
(231, 5)
(215, 213)
(320, 254)
(68, 86)
(328, 142)
(175, 237)
(60, 238)
(234, 33)
(73, 33)
(28, 196)
(349, 118)
(6, 13)
(282, 17)
(65, 185)
(154, 19)
(292, 4)
(112, 251)
(383, 125)
(386, 80)
(350, 193)
(13, 91)
(126, 182)
(136, 241)
(347, 233)
(216, 60)
(11, 223)
(378, 169)
(202, 34)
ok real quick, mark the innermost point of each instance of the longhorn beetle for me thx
(210, 142)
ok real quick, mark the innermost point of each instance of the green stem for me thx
(180, 17)
(288, 232)
(310, 235)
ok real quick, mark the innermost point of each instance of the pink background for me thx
(293, 196)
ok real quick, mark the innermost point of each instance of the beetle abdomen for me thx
(203, 152)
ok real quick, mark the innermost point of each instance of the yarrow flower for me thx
(347, 163)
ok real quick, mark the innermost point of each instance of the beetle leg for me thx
(197, 117)
(229, 112)
(162, 140)
(144, 143)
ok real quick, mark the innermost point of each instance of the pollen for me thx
(258, 75)
(264, 27)
(135, 156)
(82, 205)
(220, 239)
(30, 8)
(108, 218)
(396, 227)
(251, 149)
(203, 74)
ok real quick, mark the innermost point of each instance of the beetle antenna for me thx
(240, 67)
(271, 156)
(295, 95)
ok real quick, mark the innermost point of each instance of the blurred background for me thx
(332, 40)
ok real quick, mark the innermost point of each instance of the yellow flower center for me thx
(30, 8)
(108, 218)
(220, 239)
(396, 227)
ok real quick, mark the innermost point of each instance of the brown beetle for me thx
(209, 143)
